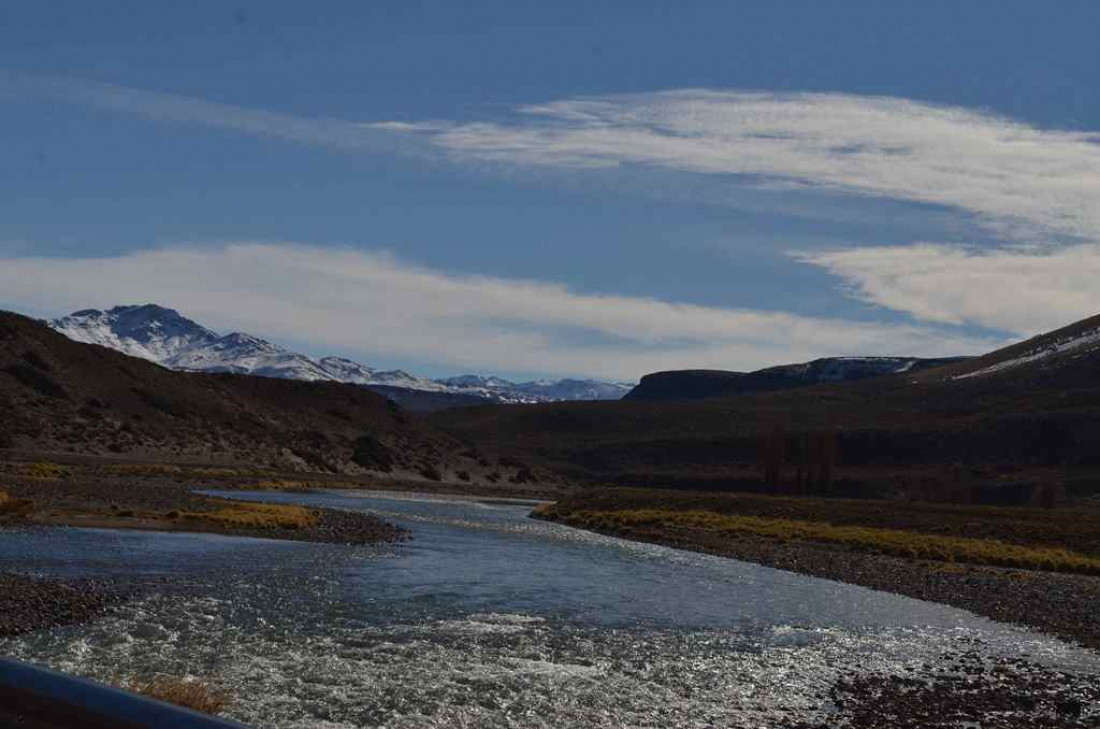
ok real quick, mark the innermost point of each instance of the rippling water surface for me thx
(488, 619)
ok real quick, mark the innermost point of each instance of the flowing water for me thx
(488, 618)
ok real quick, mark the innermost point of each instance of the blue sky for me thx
(562, 188)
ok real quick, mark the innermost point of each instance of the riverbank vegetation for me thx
(905, 528)
(895, 542)
(248, 515)
(91, 492)
(187, 692)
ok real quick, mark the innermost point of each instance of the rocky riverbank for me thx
(973, 692)
(1061, 604)
(64, 495)
(29, 603)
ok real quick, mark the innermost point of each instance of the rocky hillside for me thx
(57, 395)
(1022, 416)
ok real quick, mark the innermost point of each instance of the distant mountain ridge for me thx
(165, 336)
(689, 384)
(991, 428)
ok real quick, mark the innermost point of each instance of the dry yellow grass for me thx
(215, 471)
(293, 485)
(884, 541)
(10, 505)
(143, 469)
(190, 693)
(278, 485)
(247, 515)
(45, 471)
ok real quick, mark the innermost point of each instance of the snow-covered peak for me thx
(165, 336)
(569, 389)
(476, 381)
(347, 370)
(148, 331)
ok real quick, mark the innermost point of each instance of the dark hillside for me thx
(1019, 435)
(687, 384)
(59, 395)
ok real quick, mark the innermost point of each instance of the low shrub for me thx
(524, 475)
(431, 473)
(160, 403)
(45, 471)
(189, 693)
(35, 360)
(371, 453)
(247, 515)
(10, 506)
(37, 380)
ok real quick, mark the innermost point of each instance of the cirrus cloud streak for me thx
(1012, 176)
(1020, 290)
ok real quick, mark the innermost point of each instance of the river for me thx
(488, 619)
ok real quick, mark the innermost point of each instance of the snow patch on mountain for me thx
(841, 369)
(150, 332)
(1087, 340)
(172, 340)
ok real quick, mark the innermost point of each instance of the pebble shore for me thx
(29, 603)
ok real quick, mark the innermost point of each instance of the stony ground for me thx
(28, 604)
(973, 692)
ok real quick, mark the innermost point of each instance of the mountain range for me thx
(165, 336)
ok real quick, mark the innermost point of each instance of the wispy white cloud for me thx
(1014, 177)
(323, 131)
(371, 303)
(1019, 290)
(1007, 173)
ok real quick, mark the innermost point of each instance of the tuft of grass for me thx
(246, 515)
(189, 693)
(278, 485)
(45, 471)
(895, 542)
(10, 505)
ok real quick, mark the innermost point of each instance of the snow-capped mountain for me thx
(149, 332)
(170, 339)
(541, 390)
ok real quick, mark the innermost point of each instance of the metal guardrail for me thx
(38, 698)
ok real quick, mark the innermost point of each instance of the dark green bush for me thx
(38, 381)
(371, 453)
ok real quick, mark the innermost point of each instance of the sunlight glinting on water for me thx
(458, 629)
